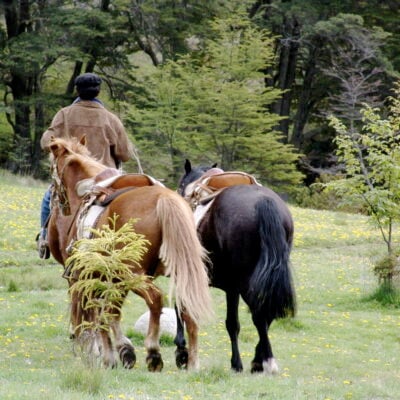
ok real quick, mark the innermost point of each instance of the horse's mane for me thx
(78, 152)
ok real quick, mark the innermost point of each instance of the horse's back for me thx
(139, 202)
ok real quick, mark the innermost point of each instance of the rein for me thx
(60, 189)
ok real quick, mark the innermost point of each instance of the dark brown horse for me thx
(247, 230)
(174, 249)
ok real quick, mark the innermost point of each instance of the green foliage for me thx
(164, 28)
(6, 134)
(37, 37)
(211, 106)
(101, 269)
(372, 161)
(372, 165)
(316, 198)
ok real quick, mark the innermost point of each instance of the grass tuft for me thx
(386, 295)
(86, 380)
(12, 287)
(213, 375)
(136, 337)
(290, 324)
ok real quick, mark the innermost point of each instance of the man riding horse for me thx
(106, 138)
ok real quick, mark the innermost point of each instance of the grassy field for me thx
(340, 346)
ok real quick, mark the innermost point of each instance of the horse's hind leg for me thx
(264, 360)
(233, 327)
(181, 352)
(153, 299)
(192, 331)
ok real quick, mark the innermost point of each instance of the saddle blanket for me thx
(88, 221)
(200, 211)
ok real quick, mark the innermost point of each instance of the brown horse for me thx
(174, 250)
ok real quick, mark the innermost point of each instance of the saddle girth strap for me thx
(111, 197)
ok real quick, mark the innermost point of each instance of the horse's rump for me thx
(165, 219)
(248, 231)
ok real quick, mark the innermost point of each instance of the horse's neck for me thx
(75, 176)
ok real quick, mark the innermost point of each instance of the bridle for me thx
(59, 188)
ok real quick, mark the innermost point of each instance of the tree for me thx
(372, 172)
(163, 29)
(309, 32)
(211, 106)
(355, 62)
(354, 72)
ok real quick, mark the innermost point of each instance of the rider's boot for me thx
(42, 244)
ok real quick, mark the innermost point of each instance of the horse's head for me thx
(63, 150)
(193, 174)
(70, 162)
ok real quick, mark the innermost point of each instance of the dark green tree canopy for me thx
(324, 52)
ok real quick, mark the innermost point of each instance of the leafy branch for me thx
(104, 269)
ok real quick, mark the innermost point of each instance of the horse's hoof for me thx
(270, 366)
(154, 361)
(256, 367)
(127, 356)
(181, 358)
(237, 369)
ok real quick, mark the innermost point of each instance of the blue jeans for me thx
(45, 208)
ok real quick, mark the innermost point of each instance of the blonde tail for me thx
(183, 256)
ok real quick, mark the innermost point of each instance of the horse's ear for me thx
(188, 166)
(54, 147)
(214, 165)
(83, 140)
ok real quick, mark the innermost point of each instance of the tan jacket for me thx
(105, 135)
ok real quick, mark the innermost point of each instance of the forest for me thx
(250, 85)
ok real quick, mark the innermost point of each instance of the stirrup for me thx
(43, 247)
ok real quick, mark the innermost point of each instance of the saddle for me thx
(101, 190)
(207, 187)
(110, 183)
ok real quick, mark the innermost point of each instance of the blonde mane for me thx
(81, 154)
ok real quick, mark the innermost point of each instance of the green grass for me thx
(343, 344)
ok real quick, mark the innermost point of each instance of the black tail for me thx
(271, 288)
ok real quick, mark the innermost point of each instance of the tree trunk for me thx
(39, 129)
(306, 102)
(76, 72)
(287, 72)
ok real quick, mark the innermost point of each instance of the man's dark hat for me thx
(88, 80)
